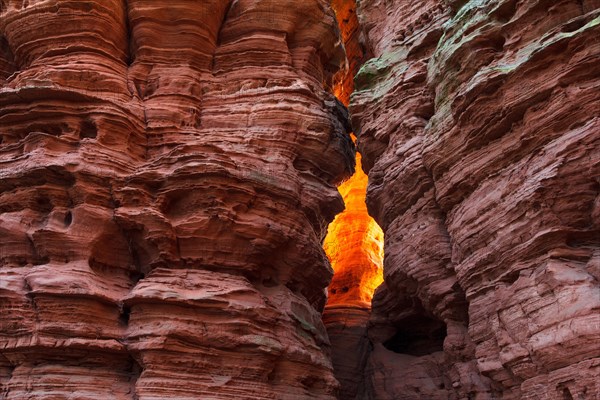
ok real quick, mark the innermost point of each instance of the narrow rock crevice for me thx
(129, 39)
(354, 243)
(8, 65)
(168, 173)
(135, 372)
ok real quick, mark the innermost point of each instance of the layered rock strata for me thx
(479, 128)
(167, 174)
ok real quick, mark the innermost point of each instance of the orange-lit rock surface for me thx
(354, 245)
(478, 122)
(354, 43)
(168, 171)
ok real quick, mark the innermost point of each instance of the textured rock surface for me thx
(479, 128)
(347, 330)
(167, 174)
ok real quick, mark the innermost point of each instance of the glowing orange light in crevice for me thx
(354, 242)
(345, 12)
(354, 245)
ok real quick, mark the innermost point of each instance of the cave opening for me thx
(417, 335)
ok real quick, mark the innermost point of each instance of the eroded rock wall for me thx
(479, 127)
(167, 174)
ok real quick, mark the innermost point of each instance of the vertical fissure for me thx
(354, 242)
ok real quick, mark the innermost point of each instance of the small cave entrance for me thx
(418, 335)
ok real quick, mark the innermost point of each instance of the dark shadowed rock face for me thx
(480, 130)
(167, 174)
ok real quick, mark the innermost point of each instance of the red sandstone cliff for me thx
(480, 130)
(167, 174)
(168, 171)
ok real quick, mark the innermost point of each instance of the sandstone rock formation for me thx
(167, 174)
(479, 128)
